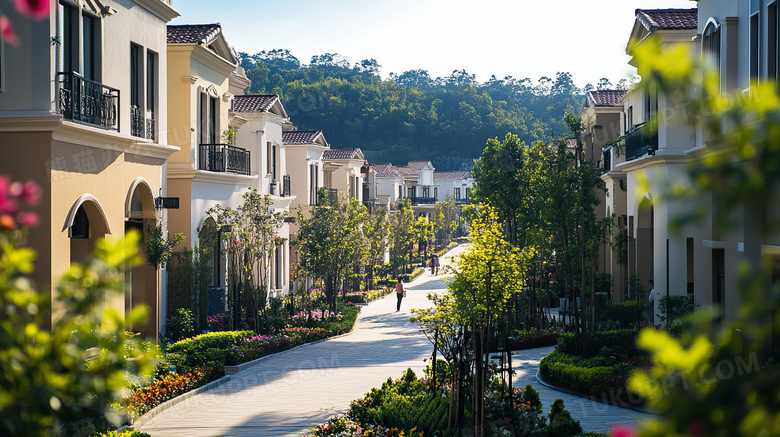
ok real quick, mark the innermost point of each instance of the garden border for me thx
(590, 397)
(154, 412)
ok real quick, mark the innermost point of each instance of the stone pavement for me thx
(296, 390)
(593, 416)
(290, 393)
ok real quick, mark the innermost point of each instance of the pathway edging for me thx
(590, 397)
(149, 415)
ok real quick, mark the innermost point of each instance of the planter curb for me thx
(591, 397)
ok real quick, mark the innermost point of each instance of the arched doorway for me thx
(140, 216)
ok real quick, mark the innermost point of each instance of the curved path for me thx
(296, 390)
(593, 416)
(290, 393)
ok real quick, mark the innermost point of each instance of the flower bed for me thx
(168, 387)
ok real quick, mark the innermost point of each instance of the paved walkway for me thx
(593, 416)
(289, 394)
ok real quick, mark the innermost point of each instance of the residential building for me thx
(304, 164)
(82, 113)
(389, 184)
(601, 118)
(455, 184)
(342, 171)
(419, 187)
(210, 168)
(262, 132)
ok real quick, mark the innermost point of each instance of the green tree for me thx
(250, 231)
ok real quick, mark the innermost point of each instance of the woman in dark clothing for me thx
(399, 291)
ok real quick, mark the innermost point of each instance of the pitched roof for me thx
(255, 103)
(385, 170)
(451, 175)
(413, 167)
(605, 97)
(202, 34)
(668, 19)
(300, 136)
(341, 154)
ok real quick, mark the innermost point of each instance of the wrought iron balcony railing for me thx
(86, 101)
(422, 200)
(640, 141)
(223, 158)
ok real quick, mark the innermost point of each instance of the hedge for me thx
(568, 372)
(520, 340)
(621, 339)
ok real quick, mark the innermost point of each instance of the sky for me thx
(519, 38)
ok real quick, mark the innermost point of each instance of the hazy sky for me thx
(520, 38)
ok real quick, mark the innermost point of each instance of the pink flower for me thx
(37, 9)
(7, 30)
(27, 219)
(622, 431)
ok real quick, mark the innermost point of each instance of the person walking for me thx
(432, 263)
(437, 265)
(400, 293)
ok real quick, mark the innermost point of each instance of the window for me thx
(772, 42)
(208, 119)
(400, 192)
(136, 89)
(312, 185)
(410, 192)
(435, 193)
(650, 103)
(270, 167)
(755, 35)
(426, 192)
(711, 45)
(468, 193)
(457, 193)
(630, 119)
(79, 49)
(151, 92)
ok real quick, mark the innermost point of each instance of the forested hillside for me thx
(411, 115)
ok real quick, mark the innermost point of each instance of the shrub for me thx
(621, 339)
(180, 325)
(534, 338)
(626, 314)
(576, 374)
(168, 387)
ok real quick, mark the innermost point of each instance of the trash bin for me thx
(217, 300)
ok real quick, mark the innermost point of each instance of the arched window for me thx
(711, 44)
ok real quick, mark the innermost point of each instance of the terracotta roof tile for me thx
(668, 19)
(340, 154)
(193, 33)
(254, 103)
(385, 170)
(605, 97)
(300, 136)
(413, 167)
(451, 175)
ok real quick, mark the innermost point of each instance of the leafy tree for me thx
(403, 235)
(486, 277)
(250, 231)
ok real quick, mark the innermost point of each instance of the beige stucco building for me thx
(83, 113)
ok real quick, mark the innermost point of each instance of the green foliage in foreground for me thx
(46, 385)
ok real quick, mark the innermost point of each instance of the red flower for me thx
(7, 31)
(622, 431)
(37, 9)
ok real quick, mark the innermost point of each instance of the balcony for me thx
(141, 126)
(640, 141)
(281, 188)
(461, 201)
(88, 102)
(333, 194)
(422, 200)
(223, 158)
